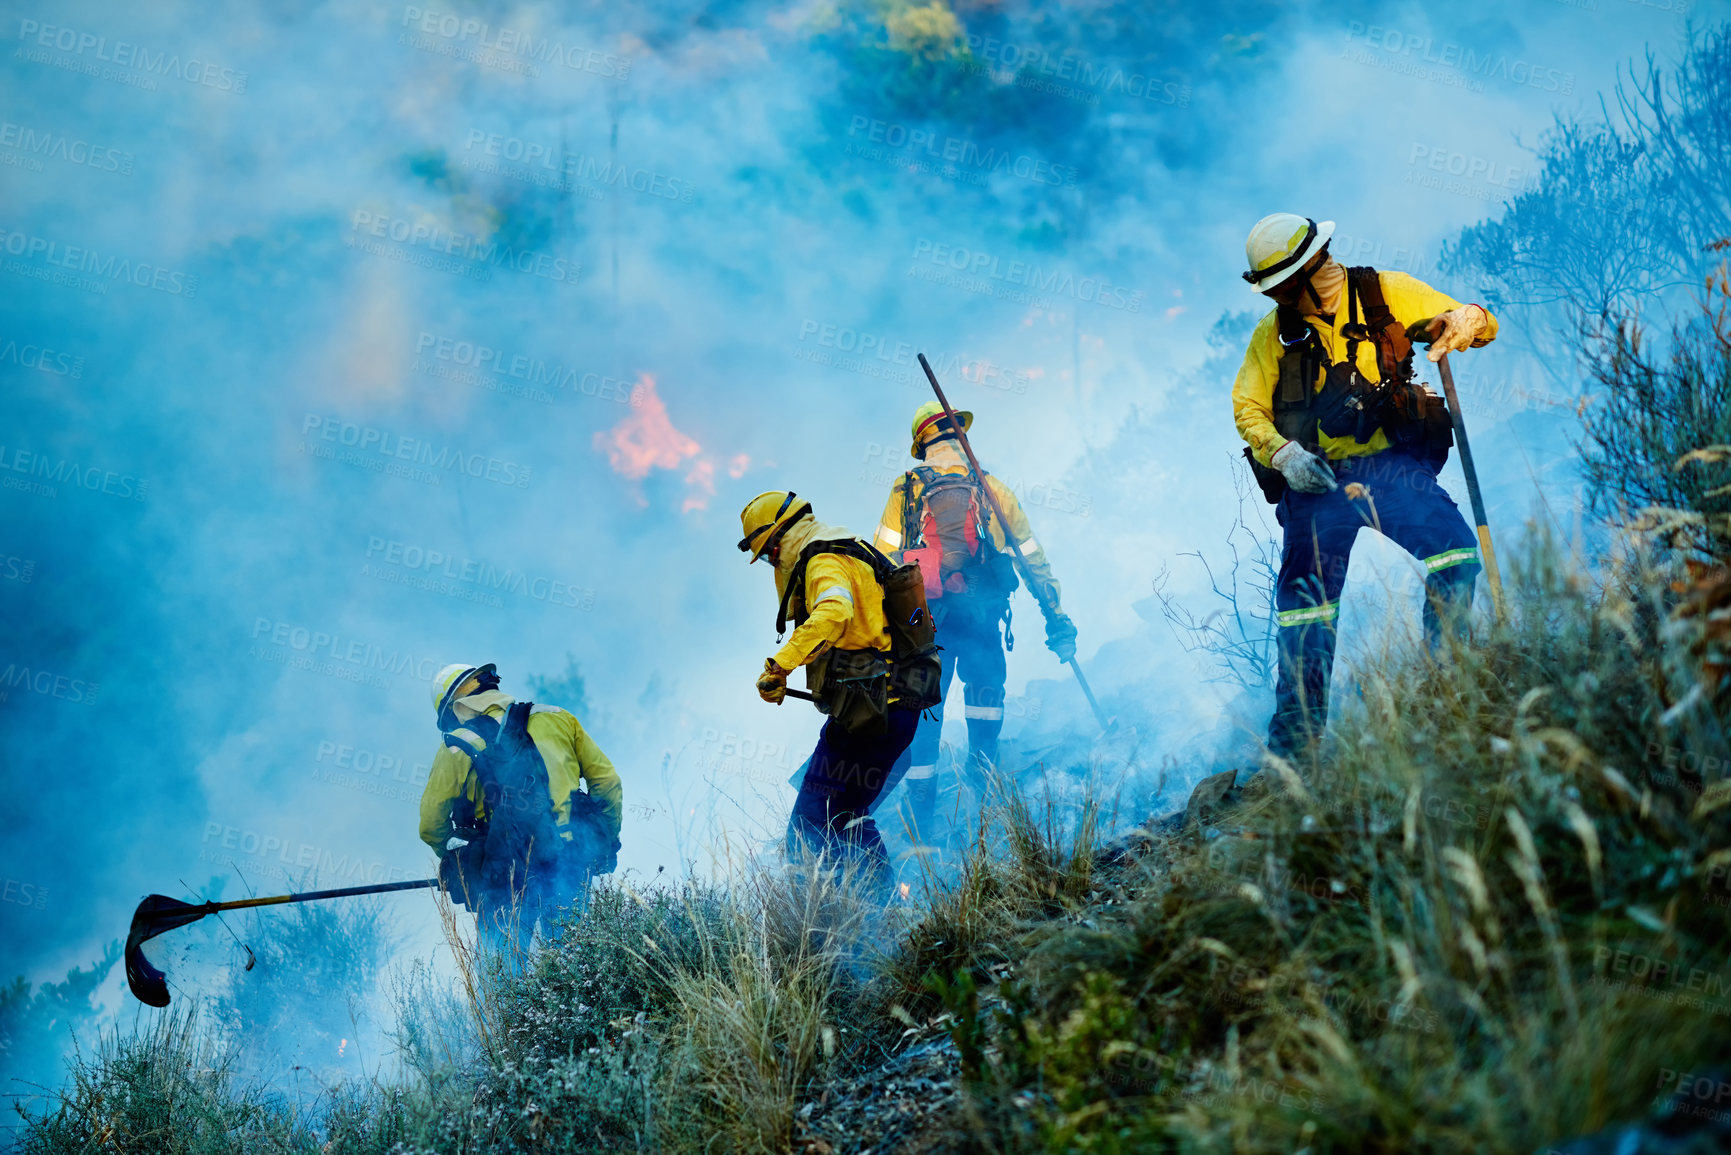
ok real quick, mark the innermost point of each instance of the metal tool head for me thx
(157, 913)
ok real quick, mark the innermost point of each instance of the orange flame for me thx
(700, 485)
(646, 439)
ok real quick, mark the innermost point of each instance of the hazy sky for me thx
(342, 341)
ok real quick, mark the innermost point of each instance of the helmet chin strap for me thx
(926, 446)
(1309, 275)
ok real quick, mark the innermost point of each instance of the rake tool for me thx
(159, 913)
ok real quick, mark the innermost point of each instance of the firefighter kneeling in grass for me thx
(506, 783)
(863, 633)
(937, 517)
(1342, 436)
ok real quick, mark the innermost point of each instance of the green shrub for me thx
(1424, 941)
(167, 1090)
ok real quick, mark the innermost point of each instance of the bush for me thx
(167, 1090)
(38, 1025)
(1425, 943)
(1655, 437)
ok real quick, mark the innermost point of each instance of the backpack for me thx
(520, 836)
(948, 539)
(856, 685)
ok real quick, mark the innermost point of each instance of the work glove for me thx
(1450, 332)
(772, 683)
(1303, 470)
(1061, 636)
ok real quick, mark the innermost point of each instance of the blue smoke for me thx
(340, 343)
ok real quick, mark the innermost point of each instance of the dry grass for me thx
(772, 1006)
(1488, 917)
(1412, 945)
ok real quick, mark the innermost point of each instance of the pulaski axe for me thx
(1034, 587)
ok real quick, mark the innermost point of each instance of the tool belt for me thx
(1345, 403)
(853, 687)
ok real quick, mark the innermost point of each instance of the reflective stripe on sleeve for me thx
(891, 538)
(834, 594)
(1029, 545)
(1307, 614)
(1451, 557)
(985, 713)
(466, 742)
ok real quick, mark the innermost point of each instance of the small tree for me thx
(566, 690)
(1659, 435)
(1620, 216)
(38, 1025)
(1240, 632)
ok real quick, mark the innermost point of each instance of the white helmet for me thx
(1279, 245)
(449, 680)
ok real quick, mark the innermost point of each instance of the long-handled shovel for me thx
(1034, 587)
(1479, 520)
(159, 913)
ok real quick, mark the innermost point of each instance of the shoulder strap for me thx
(474, 736)
(1296, 334)
(1353, 331)
(931, 479)
(853, 547)
(911, 503)
(1369, 285)
(1302, 359)
(466, 741)
(517, 722)
(949, 481)
(1392, 344)
(1291, 326)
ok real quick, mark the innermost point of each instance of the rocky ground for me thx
(913, 1102)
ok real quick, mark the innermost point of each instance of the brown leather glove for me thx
(772, 683)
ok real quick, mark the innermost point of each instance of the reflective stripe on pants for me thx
(972, 649)
(1403, 501)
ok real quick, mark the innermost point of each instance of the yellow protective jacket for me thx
(842, 597)
(571, 756)
(1408, 298)
(908, 488)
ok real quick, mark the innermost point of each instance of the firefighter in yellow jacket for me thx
(507, 781)
(937, 516)
(1341, 436)
(828, 587)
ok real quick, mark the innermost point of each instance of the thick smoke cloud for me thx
(343, 341)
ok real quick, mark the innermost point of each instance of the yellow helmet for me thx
(449, 680)
(766, 517)
(930, 423)
(1279, 245)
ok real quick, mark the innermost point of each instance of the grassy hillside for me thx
(1493, 915)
